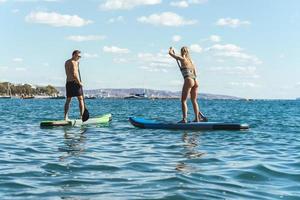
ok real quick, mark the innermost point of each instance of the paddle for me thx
(177, 61)
(86, 114)
(204, 119)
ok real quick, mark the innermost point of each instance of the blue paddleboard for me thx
(153, 124)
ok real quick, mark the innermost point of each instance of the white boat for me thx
(137, 96)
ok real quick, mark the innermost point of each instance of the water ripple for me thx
(119, 161)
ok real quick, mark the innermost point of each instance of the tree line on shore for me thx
(7, 88)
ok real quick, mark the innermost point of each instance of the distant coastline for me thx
(147, 93)
(29, 91)
(26, 91)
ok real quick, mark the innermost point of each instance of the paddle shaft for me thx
(81, 86)
(177, 61)
(85, 115)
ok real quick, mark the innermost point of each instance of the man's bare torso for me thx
(71, 68)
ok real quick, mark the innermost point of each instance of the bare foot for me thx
(200, 118)
(183, 121)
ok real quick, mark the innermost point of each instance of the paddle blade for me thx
(85, 115)
(203, 118)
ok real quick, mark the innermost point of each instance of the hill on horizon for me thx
(125, 92)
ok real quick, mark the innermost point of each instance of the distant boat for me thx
(58, 97)
(137, 96)
(5, 97)
(8, 96)
(41, 97)
(89, 97)
(27, 97)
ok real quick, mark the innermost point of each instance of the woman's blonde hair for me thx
(186, 53)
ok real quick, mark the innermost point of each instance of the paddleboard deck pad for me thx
(153, 124)
(77, 122)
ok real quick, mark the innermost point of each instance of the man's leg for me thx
(67, 105)
(81, 105)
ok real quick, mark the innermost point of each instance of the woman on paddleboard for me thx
(190, 86)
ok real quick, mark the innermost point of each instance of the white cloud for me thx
(153, 68)
(233, 23)
(83, 38)
(241, 56)
(233, 51)
(176, 38)
(186, 3)
(180, 4)
(3, 68)
(15, 10)
(244, 84)
(160, 62)
(166, 19)
(114, 49)
(197, 1)
(20, 69)
(56, 19)
(226, 47)
(19, 60)
(175, 83)
(215, 38)
(38, 0)
(196, 48)
(282, 56)
(246, 71)
(126, 4)
(2, 1)
(120, 60)
(117, 19)
(88, 55)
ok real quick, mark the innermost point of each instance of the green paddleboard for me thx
(77, 122)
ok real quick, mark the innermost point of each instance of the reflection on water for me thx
(123, 162)
(191, 145)
(74, 145)
(74, 142)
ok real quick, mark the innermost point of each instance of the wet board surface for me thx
(155, 124)
(77, 122)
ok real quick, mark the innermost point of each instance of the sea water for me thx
(119, 161)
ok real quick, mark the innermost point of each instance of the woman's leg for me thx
(194, 94)
(188, 84)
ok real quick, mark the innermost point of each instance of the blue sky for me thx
(242, 48)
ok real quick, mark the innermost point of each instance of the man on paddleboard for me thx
(73, 85)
